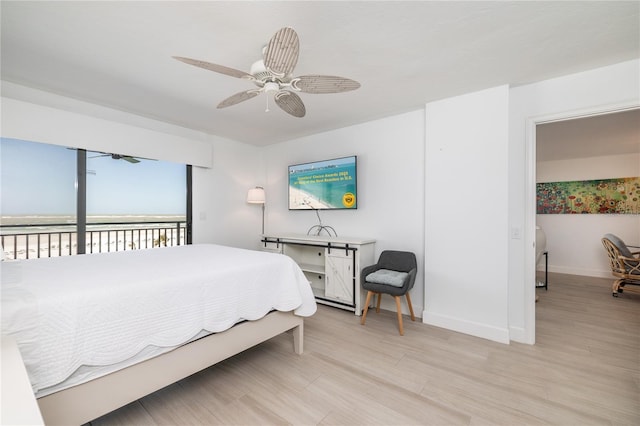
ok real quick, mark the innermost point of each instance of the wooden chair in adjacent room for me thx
(625, 264)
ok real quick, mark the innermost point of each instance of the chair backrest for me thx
(403, 261)
(615, 249)
(617, 266)
(621, 246)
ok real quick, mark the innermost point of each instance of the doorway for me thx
(570, 147)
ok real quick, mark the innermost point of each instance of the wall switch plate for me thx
(516, 232)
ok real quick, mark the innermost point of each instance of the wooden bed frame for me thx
(85, 402)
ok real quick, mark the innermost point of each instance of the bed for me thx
(99, 331)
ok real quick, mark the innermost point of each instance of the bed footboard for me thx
(83, 403)
(18, 404)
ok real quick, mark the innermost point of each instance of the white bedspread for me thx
(101, 309)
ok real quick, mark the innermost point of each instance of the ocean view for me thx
(32, 236)
(71, 219)
(39, 192)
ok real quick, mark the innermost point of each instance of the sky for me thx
(40, 179)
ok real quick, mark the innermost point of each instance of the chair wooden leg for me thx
(616, 287)
(366, 308)
(399, 315)
(379, 295)
(413, 317)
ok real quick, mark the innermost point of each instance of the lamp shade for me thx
(256, 195)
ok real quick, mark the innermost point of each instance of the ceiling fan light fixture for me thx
(271, 87)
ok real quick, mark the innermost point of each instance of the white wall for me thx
(62, 121)
(573, 241)
(597, 90)
(466, 232)
(220, 212)
(603, 89)
(390, 186)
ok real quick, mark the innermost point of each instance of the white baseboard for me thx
(517, 334)
(497, 334)
(579, 271)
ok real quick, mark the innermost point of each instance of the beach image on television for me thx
(329, 184)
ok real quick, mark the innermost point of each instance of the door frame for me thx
(530, 198)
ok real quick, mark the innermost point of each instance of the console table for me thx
(331, 264)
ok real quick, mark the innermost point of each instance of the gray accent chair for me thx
(394, 274)
(625, 264)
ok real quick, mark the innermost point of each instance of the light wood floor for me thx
(583, 370)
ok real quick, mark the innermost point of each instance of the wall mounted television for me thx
(323, 185)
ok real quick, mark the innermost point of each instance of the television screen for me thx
(329, 184)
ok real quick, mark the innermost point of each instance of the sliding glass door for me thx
(143, 202)
(60, 201)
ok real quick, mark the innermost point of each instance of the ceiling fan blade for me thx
(281, 54)
(290, 103)
(215, 67)
(324, 84)
(129, 159)
(238, 97)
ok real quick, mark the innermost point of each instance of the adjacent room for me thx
(588, 148)
(266, 212)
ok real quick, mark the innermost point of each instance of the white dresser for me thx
(331, 264)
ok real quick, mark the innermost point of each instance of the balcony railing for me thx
(53, 240)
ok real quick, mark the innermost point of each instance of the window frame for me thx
(81, 202)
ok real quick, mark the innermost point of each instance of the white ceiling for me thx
(608, 134)
(405, 54)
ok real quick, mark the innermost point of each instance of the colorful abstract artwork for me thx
(604, 196)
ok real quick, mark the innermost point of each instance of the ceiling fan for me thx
(273, 74)
(128, 158)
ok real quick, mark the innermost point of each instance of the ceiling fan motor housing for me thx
(259, 71)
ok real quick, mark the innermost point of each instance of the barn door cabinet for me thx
(331, 264)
